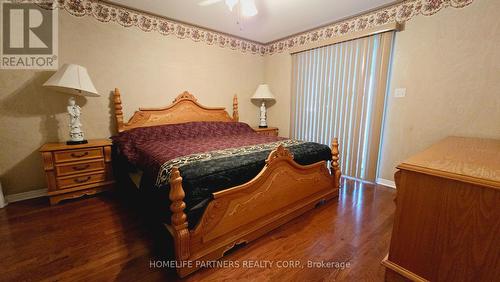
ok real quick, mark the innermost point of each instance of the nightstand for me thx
(272, 131)
(76, 170)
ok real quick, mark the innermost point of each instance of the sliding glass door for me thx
(339, 91)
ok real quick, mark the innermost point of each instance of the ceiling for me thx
(276, 18)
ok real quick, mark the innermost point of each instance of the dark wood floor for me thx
(105, 238)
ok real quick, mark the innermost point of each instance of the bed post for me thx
(179, 219)
(118, 110)
(236, 115)
(335, 162)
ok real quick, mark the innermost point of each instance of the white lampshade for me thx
(263, 93)
(72, 79)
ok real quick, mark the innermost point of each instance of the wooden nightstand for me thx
(76, 170)
(273, 131)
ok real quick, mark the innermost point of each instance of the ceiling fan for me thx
(246, 7)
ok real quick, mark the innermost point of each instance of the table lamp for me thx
(75, 80)
(263, 93)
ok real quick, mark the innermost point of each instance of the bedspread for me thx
(211, 156)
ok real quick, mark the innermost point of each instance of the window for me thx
(339, 91)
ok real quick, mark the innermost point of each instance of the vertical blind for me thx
(339, 91)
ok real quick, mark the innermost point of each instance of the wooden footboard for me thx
(280, 192)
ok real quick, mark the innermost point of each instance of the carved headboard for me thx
(184, 108)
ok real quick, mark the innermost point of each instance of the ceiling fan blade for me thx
(208, 2)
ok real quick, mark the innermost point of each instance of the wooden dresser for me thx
(447, 221)
(76, 170)
(273, 131)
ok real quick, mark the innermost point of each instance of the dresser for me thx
(447, 220)
(76, 170)
(272, 131)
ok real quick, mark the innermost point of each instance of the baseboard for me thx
(26, 195)
(43, 192)
(380, 181)
(386, 182)
(357, 179)
(404, 273)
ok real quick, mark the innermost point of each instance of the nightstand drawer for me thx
(76, 170)
(78, 180)
(77, 155)
(80, 167)
(270, 131)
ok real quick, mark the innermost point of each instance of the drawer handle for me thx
(81, 167)
(75, 155)
(82, 180)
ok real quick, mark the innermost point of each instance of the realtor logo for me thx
(28, 36)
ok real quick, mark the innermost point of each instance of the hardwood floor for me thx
(105, 238)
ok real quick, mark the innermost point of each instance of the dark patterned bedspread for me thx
(211, 156)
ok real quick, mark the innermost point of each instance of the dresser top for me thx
(473, 160)
(63, 146)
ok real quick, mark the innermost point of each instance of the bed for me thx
(218, 182)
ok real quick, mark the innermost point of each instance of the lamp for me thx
(263, 93)
(75, 80)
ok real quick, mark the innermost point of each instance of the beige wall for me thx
(150, 70)
(278, 74)
(450, 65)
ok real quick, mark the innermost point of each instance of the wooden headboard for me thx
(184, 108)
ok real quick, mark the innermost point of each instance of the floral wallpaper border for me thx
(105, 12)
(400, 13)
